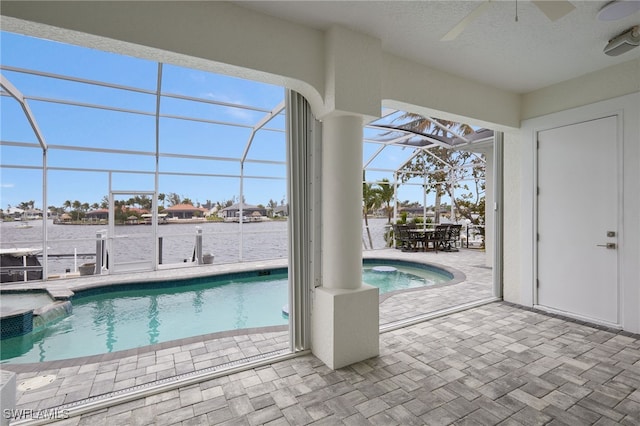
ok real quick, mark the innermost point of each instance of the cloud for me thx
(244, 116)
(241, 114)
(223, 97)
(7, 185)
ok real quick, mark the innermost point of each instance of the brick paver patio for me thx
(493, 364)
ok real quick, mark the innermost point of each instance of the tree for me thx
(370, 200)
(27, 205)
(272, 206)
(144, 202)
(173, 199)
(445, 169)
(76, 209)
(187, 201)
(385, 194)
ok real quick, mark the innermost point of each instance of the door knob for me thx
(610, 246)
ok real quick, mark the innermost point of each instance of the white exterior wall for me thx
(629, 240)
(512, 217)
(612, 82)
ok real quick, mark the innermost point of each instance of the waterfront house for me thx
(248, 210)
(185, 211)
(97, 215)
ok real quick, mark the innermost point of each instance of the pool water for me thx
(405, 277)
(119, 320)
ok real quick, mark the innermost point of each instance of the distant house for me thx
(21, 214)
(281, 211)
(185, 211)
(103, 214)
(135, 211)
(14, 211)
(97, 215)
(412, 211)
(233, 211)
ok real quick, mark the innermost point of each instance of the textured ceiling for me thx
(494, 49)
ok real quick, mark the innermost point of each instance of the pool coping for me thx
(457, 278)
(125, 353)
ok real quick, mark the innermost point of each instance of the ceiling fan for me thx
(554, 10)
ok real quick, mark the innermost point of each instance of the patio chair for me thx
(401, 233)
(437, 238)
(452, 237)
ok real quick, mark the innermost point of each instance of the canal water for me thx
(69, 246)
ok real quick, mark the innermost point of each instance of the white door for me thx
(578, 199)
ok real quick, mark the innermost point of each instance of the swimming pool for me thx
(109, 319)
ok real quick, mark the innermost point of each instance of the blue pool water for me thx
(105, 321)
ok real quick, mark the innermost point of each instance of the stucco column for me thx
(342, 202)
(345, 311)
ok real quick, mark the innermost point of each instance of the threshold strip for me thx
(110, 399)
(396, 325)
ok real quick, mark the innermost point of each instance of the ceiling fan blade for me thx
(460, 26)
(554, 9)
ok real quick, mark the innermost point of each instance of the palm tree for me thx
(370, 200)
(386, 193)
(442, 166)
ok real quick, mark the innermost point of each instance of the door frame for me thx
(620, 210)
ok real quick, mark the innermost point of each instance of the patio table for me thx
(420, 236)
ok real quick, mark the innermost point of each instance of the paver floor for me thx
(494, 364)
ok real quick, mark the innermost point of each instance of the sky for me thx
(77, 173)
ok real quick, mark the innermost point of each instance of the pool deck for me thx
(491, 364)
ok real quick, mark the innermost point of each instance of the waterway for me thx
(69, 246)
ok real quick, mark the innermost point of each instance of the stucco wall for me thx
(511, 216)
(612, 82)
(628, 109)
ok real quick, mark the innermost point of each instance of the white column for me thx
(342, 202)
(345, 314)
